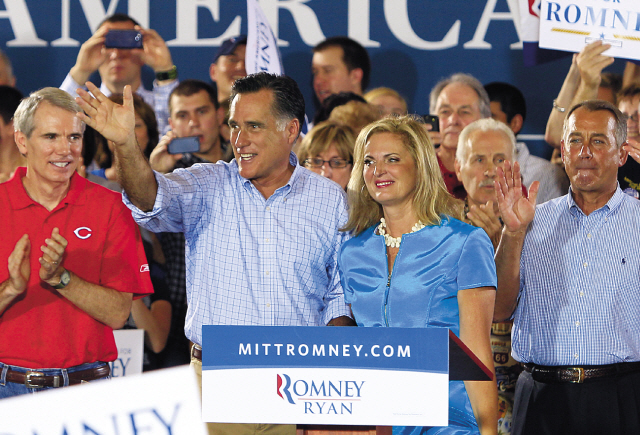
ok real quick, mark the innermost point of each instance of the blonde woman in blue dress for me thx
(412, 264)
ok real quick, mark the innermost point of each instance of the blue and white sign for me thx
(321, 375)
(162, 402)
(571, 24)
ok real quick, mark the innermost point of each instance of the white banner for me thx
(130, 344)
(529, 11)
(326, 396)
(262, 49)
(571, 24)
(162, 402)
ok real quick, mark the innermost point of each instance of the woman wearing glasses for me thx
(411, 264)
(328, 150)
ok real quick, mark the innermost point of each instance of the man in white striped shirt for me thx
(568, 273)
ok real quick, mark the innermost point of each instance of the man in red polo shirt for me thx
(75, 257)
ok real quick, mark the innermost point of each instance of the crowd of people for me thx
(373, 218)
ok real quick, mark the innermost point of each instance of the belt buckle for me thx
(29, 376)
(580, 372)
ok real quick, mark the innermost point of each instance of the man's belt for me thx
(196, 352)
(36, 379)
(578, 375)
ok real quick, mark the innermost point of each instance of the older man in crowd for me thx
(75, 257)
(458, 101)
(568, 273)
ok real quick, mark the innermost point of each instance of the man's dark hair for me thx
(333, 101)
(288, 102)
(119, 18)
(354, 55)
(629, 92)
(189, 87)
(10, 99)
(510, 98)
(598, 105)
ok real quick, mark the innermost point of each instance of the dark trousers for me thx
(599, 406)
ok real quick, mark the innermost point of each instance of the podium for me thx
(340, 377)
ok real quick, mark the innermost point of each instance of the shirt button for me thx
(581, 294)
(267, 273)
(577, 324)
(266, 240)
(585, 264)
(575, 356)
(589, 236)
(268, 305)
(268, 208)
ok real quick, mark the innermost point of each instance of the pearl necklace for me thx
(394, 242)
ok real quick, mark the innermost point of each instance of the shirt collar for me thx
(293, 161)
(611, 205)
(20, 199)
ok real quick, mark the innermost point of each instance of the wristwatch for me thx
(64, 280)
(172, 74)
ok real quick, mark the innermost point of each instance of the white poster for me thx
(130, 344)
(571, 24)
(162, 402)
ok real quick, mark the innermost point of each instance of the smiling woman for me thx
(412, 264)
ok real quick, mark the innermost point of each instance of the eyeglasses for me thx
(334, 163)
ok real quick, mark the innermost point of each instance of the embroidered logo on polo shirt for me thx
(144, 268)
(82, 232)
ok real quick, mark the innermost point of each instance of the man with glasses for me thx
(629, 174)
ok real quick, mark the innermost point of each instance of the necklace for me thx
(394, 242)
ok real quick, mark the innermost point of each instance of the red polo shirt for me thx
(41, 328)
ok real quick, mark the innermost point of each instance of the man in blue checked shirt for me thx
(568, 272)
(262, 233)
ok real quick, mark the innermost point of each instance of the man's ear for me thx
(562, 150)
(516, 123)
(356, 75)
(212, 71)
(457, 166)
(21, 142)
(293, 131)
(624, 154)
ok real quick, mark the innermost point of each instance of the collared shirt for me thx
(553, 180)
(41, 328)
(158, 98)
(454, 186)
(580, 285)
(251, 260)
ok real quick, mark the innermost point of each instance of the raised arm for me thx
(553, 132)
(116, 123)
(517, 213)
(581, 83)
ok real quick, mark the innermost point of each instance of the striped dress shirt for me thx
(579, 301)
(251, 260)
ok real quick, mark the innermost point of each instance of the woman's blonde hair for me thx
(431, 201)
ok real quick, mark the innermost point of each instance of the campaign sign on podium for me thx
(326, 375)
